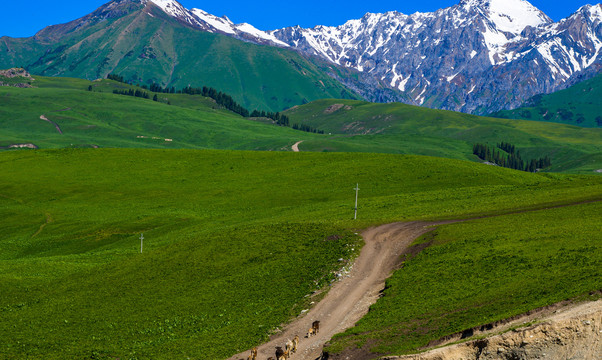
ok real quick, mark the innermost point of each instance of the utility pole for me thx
(357, 189)
(141, 242)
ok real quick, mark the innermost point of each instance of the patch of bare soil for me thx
(571, 331)
(333, 108)
(349, 299)
(296, 146)
(20, 146)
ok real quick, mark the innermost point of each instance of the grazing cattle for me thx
(310, 332)
(316, 327)
(279, 353)
(295, 343)
(289, 347)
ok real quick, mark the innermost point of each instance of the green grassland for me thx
(482, 271)
(101, 118)
(234, 241)
(400, 128)
(577, 105)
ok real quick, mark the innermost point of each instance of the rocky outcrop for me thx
(15, 77)
(15, 72)
(575, 334)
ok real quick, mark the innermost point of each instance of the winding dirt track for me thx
(349, 299)
(296, 146)
(43, 117)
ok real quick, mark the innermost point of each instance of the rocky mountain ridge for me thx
(478, 56)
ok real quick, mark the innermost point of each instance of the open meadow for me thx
(78, 118)
(235, 241)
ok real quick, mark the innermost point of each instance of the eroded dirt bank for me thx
(574, 333)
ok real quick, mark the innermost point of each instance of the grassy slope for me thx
(483, 271)
(577, 105)
(144, 49)
(103, 119)
(400, 128)
(233, 239)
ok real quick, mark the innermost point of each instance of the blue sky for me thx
(26, 17)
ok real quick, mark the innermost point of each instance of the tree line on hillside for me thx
(507, 155)
(219, 97)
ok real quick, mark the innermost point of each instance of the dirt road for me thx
(349, 299)
(296, 146)
(43, 117)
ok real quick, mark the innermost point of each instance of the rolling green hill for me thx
(577, 105)
(234, 241)
(145, 45)
(400, 128)
(99, 118)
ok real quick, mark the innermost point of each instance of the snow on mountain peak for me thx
(256, 33)
(595, 11)
(511, 16)
(222, 24)
(170, 7)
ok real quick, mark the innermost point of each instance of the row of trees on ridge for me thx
(219, 97)
(507, 155)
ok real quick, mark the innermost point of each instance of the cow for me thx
(316, 327)
(310, 332)
(295, 343)
(289, 347)
(279, 353)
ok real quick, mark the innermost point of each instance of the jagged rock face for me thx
(478, 56)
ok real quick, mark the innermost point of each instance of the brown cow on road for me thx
(316, 327)
(279, 353)
(295, 343)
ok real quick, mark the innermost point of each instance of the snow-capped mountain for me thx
(477, 56)
(211, 23)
